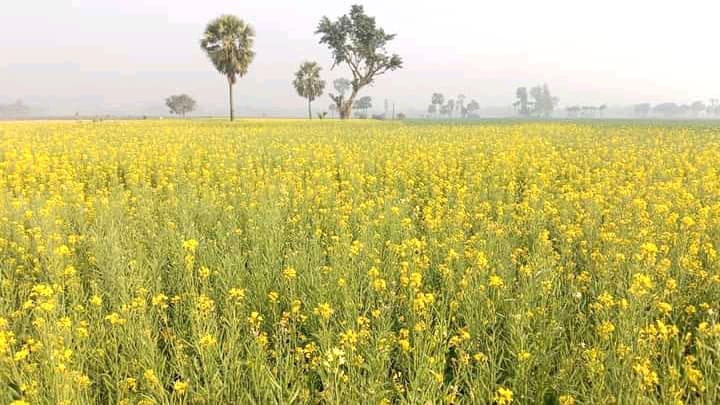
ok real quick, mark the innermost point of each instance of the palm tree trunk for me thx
(232, 107)
(309, 110)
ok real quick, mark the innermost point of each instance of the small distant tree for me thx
(697, 107)
(342, 86)
(522, 105)
(588, 111)
(363, 104)
(180, 104)
(714, 106)
(573, 111)
(356, 41)
(332, 107)
(668, 110)
(438, 100)
(228, 42)
(461, 105)
(451, 107)
(543, 103)
(472, 108)
(432, 110)
(444, 110)
(537, 100)
(308, 83)
(14, 110)
(641, 110)
(401, 116)
(601, 110)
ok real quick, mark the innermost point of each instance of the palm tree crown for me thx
(308, 83)
(228, 42)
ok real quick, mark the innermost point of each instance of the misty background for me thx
(124, 57)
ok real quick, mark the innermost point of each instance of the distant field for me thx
(279, 261)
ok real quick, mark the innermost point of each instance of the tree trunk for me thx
(232, 107)
(345, 111)
(309, 110)
(346, 108)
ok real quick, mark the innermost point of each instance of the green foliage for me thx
(522, 104)
(544, 103)
(472, 107)
(342, 85)
(438, 99)
(363, 103)
(642, 110)
(228, 42)
(307, 81)
(180, 104)
(356, 41)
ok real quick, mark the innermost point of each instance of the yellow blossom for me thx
(180, 386)
(496, 281)
(324, 310)
(290, 273)
(503, 396)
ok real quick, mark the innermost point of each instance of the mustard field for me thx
(326, 262)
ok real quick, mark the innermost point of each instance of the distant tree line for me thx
(696, 109)
(452, 108)
(586, 111)
(15, 110)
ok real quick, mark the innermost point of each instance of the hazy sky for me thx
(128, 55)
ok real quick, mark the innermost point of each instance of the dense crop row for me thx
(281, 261)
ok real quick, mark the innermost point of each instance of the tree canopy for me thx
(341, 85)
(363, 103)
(180, 104)
(356, 41)
(522, 104)
(472, 108)
(542, 104)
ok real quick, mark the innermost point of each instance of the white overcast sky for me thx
(127, 55)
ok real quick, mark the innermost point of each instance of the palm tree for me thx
(308, 83)
(228, 43)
